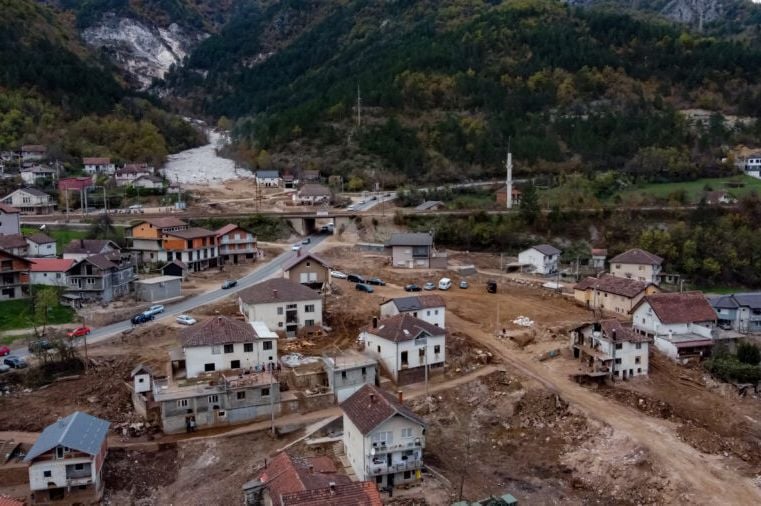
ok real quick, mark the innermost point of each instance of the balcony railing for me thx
(407, 445)
(225, 240)
(75, 482)
(398, 467)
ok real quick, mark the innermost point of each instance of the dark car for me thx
(229, 284)
(364, 288)
(308, 240)
(141, 318)
(15, 362)
(376, 282)
(39, 346)
(355, 278)
(412, 288)
(491, 286)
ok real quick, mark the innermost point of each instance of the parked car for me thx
(445, 284)
(184, 319)
(491, 286)
(429, 286)
(307, 240)
(229, 283)
(155, 309)
(464, 284)
(296, 247)
(412, 288)
(355, 278)
(141, 318)
(338, 275)
(376, 281)
(15, 362)
(364, 288)
(39, 346)
(4, 350)
(79, 332)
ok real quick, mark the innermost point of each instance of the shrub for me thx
(748, 353)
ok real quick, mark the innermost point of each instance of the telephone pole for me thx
(509, 180)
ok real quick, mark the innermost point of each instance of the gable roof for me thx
(12, 241)
(686, 307)
(751, 300)
(267, 174)
(165, 222)
(217, 330)
(637, 256)
(370, 406)
(363, 493)
(39, 148)
(546, 249)
(611, 284)
(51, 264)
(8, 209)
(227, 229)
(410, 239)
(40, 238)
(191, 233)
(96, 160)
(403, 327)
(314, 190)
(416, 302)
(33, 191)
(89, 246)
(79, 431)
(100, 261)
(298, 259)
(277, 290)
(288, 474)
(8, 254)
(599, 252)
(178, 263)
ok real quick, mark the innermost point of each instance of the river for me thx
(202, 165)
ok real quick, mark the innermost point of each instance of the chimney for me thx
(332, 486)
(274, 293)
(372, 398)
(400, 394)
(375, 322)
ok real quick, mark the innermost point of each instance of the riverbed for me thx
(202, 165)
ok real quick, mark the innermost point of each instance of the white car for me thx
(155, 309)
(296, 247)
(338, 274)
(184, 319)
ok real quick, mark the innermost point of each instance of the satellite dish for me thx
(42, 227)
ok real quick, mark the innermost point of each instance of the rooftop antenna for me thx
(509, 181)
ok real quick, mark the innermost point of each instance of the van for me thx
(445, 284)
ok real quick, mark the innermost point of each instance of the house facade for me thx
(348, 371)
(739, 311)
(609, 347)
(124, 176)
(414, 251)
(236, 245)
(637, 264)
(66, 461)
(41, 245)
(309, 270)
(30, 201)
(50, 271)
(268, 178)
(14, 276)
(383, 439)
(38, 175)
(543, 259)
(610, 293)
(33, 152)
(158, 288)
(100, 278)
(284, 306)
(599, 256)
(502, 197)
(15, 244)
(408, 348)
(10, 222)
(429, 308)
(79, 249)
(148, 182)
(163, 240)
(312, 194)
(98, 165)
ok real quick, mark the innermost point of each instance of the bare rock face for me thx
(693, 12)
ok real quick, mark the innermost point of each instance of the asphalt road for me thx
(172, 310)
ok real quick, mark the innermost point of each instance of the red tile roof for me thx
(403, 327)
(227, 229)
(599, 252)
(686, 307)
(8, 209)
(191, 233)
(370, 406)
(364, 493)
(611, 284)
(12, 241)
(277, 290)
(51, 264)
(288, 474)
(637, 256)
(218, 330)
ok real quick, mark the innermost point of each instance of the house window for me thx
(182, 403)
(379, 349)
(637, 360)
(421, 353)
(437, 349)
(216, 350)
(343, 374)
(265, 392)
(309, 308)
(59, 452)
(435, 311)
(428, 313)
(240, 395)
(619, 346)
(404, 358)
(47, 474)
(618, 360)
(364, 371)
(79, 467)
(267, 345)
(209, 367)
(280, 310)
(235, 364)
(638, 346)
(308, 323)
(248, 347)
(291, 306)
(407, 432)
(382, 437)
(280, 324)
(407, 475)
(229, 348)
(213, 399)
(639, 369)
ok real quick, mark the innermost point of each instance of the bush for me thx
(731, 369)
(748, 353)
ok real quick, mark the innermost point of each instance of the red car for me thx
(81, 331)
(4, 350)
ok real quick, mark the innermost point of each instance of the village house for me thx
(124, 176)
(268, 178)
(637, 264)
(158, 288)
(98, 165)
(66, 461)
(502, 196)
(609, 293)
(14, 276)
(289, 181)
(408, 348)
(682, 325)
(751, 165)
(236, 245)
(599, 256)
(222, 343)
(347, 371)
(100, 278)
(30, 201)
(312, 194)
(543, 259)
(10, 223)
(609, 349)
(148, 183)
(719, 197)
(38, 175)
(50, 271)
(79, 249)
(41, 245)
(15, 244)
(78, 183)
(383, 439)
(414, 250)
(739, 311)
(289, 480)
(429, 308)
(162, 240)
(33, 152)
(310, 176)
(284, 306)
(309, 270)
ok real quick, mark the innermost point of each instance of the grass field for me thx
(16, 314)
(696, 189)
(62, 236)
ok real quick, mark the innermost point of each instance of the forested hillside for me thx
(445, 84)
(54, 91)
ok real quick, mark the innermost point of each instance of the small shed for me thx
(175, 268)
(141, 378)
(158, 288)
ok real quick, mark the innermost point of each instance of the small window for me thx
(209, 367)
(364, 371)
(47, 474)
(437, 349)
(619, 346)
(59, 452)
(407, 475)
(213, 399)
(618, 360)
(421, 352)
(280, 324)
(216, 350)
(343, 374)
(265, 392)
(407, 432)
(229, 348)
(379, 349)
(248, 347)
(267, 345)
(637, 360)
(182, 403)
(280, 310)
(240, 395)
(235, 364)
(308, 323)
(638, 346)
(309, 308)
(140, 380)
(221, 414)
(639, 369)
(428, 313)
(79, 467)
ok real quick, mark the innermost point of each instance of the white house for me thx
(268, 178)
(311, 194)
(543, 258)
(141, 379)
(383, 439)
(130, 172)
(66, 461)
(38, 174)
(347, 371)
(98, 165)
(637, 264)
(79, 249)
(33, 152)
(41, 245)
(30, 201)
(221, 343)
(681, 324)
(429, 308)
(49, 271)
(148, 182)
(752, 165)
(609, 347)
(406, 346)
(10, 224)
(282, 305)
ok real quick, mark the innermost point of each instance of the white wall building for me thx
(282, 305)
(637, 264)
(30, 201)
(10, 223)
(610, 347)
(98, 165)
(49, 271)
(268, 178)
(348, 371)
(429, 308)
(41, 245)
(543, 258)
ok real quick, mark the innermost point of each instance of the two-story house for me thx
(124, 176)
(79, 249)
(98, 165)
(611, 293)
(429, 308)
(309, 269)
(408, 348)
(611, 348)
(268, 178)
(40, 175)
(738, 311)
(14, 276)
(41, 245)
(414, 250)
(33, 152)
(162, 240)
(15, 244)
(312, 194)
(682, 325)
(543, 259)
(347, 371)
(9, 220)
(50, 271)
(282, 305)
(66, 461)
(383, 439)
(222, 343)
(147, 238)
(637, 264)
(30, 201)
(100, 278)
(236, 245)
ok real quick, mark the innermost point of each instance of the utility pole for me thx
(272, 404)
(509, 180)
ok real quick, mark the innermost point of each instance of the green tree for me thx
(529, 206)
(748, 353)
(44, 300)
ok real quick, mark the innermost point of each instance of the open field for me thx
(695, 189)
(62, 236)
(17, 314)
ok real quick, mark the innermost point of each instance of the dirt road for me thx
(704, 479)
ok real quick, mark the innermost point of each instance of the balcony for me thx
(75, 482)
(380, 448)
(398, 467)
(226, 240)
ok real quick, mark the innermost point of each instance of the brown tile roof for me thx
(314, 190)
(364, 493)
(9, 501)
(192, 233)
(298, 259)
(370, 406)
(686, 307)
(100, 261)
(226, 229)
(611, 284)
(637, 256)
(277, 290)
(96, 160)
(416, 302)
(166, 222)
(89, 246)
(12, 241)
(599, 252)
(403, 327)
(8, 209)
(288, 474)
(8, 254)
(615, 331)
(51, 264)
(217, 330)
(40, 238)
